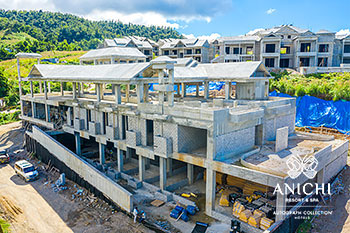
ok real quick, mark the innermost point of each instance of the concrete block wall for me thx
(162, 146)
(272, 124)
(235, 142)
(190, 138)
(340, 155)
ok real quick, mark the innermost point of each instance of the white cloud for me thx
(172, 13)
(27, 5)
(147, 18)
(343, 32)
(270, 11)
(255, 31)
(210, 37)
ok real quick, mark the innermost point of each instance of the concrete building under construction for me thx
(162, 140)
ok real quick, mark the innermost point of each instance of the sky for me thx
(204, 18)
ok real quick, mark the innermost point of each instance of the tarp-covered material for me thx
(315, 112)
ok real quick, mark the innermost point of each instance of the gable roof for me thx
(222, 71)
(118, 52)
(188, 43)
(88, 73)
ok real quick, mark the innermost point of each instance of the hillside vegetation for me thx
(9, 78)
(37, 31)
(334, 86)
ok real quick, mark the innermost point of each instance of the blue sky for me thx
(204, 17)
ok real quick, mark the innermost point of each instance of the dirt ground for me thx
(38, 207)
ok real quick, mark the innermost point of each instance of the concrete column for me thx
(190, 170)
(145, 92)
(210, 191)
(142, 168)
(95, 62)
(118, 94)
(45, 90)
(228, 90)
(197, 90)
(79, 90)
(77, 143)
(171, 94)
(41, 87)
(74, 90)
(206, 90)
(162, 173)
(31, 89)
(161, 81)
(169, 163)
(49, 87)
(280, 205)
(178, 89)
(139, 93)
(113, 89)
(127, 93)
(102, 149)
(62, 91)
(183, 90)
(120, 160)
(33, 109)
(99, 92)
(47, 112)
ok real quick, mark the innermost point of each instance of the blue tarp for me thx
(315, 112)
(192, 88)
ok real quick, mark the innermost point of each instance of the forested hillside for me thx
(37, 31)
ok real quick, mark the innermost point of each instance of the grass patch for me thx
(5, 226)
(6, 118)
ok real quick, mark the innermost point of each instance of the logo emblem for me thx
(298, 165)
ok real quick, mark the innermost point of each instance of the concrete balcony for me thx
(111, 132)
(133, 138)
(275, 54)
(94, 128)
(306, 54)
(79, 124)
(163, 146)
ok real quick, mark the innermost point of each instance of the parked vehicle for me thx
(4, 158)
(26, 170)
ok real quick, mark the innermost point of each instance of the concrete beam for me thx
(102, 150)
(162, 173)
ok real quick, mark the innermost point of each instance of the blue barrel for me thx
(175, 213)
(191, 209)
(179, 208)
(185, 217)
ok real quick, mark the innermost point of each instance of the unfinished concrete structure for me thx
(287, 46)
(112, 55)
(144, 45)
(198, 49)
(153, 134)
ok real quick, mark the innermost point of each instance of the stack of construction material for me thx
(255, 219)
(265, 223)
(224, 199)
(237, 209)
(245, 215)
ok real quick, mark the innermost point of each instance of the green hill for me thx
(37, 31)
